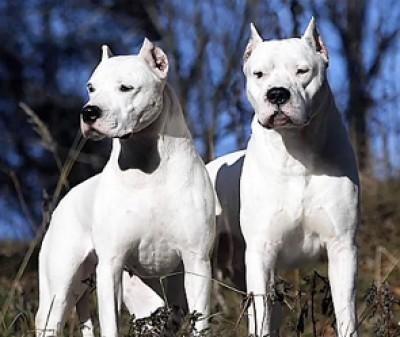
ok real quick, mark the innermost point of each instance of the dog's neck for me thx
(301, 150)
(146, 149)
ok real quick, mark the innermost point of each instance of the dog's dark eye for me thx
(125, 88)
(302, 71)
(90, 87)
(258, 74)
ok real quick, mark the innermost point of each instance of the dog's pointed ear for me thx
(255, 39)
(314, 40)
(155, 58)
(105, 52)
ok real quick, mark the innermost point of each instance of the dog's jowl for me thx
(299, 188)
(151, 208)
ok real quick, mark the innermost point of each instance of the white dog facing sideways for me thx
(151, 208)
(299, 187)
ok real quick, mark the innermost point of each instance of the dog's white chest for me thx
(303, 239)
(151, 224)
(142, 225)
(291, 213)
(302, 224)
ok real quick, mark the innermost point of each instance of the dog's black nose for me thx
(90, 113)
(278, 95)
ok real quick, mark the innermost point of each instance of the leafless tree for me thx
(368, 31)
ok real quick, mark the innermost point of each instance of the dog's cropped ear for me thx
(255, 39)
(155, 58)
(314, 40)
(105, 52)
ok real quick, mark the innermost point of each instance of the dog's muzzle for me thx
(277, 96)
(278, 119)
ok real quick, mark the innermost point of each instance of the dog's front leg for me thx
(109, 294)
(198, 286)
(260, 269)
(342, 254)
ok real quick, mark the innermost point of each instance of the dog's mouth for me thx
(89, 131)
(277, 120)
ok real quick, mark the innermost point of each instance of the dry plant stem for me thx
(163, 291)
(314, 323)
(366, 309)
(20, 272)
(76, 148)
(42, 130)
(78, 143)
(253, 303)
(222, 284)
(242, 312)
(16, 318)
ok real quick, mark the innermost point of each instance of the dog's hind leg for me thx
(53, 306)
(60, 295)
(45, 305)
(66, 258)
(63, 264)
(54, 293)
